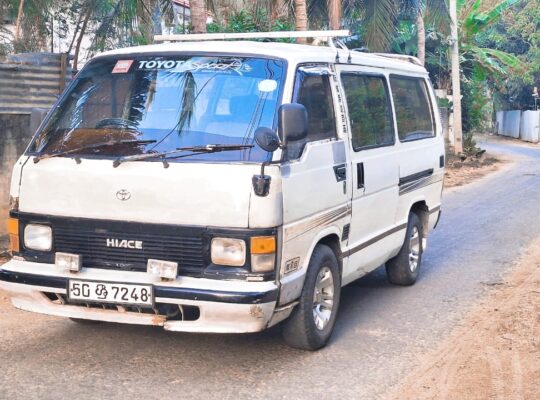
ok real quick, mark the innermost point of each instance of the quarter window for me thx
(413, 113)
(369, 109)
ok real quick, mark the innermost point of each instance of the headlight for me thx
(38, 237)
(230, 252)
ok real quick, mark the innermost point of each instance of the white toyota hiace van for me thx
(225, 187)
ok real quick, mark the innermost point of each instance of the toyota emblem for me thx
(123, 195)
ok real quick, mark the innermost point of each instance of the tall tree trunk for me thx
(19, 20)
(456, 88)
(421, 32)
(334, 13)
(279, 9)
(222, 11)
(198, 16)
(300, 15)
(79, 40)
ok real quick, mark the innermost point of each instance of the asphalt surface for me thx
(381, 329)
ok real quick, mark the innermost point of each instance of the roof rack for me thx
(252, 35)
(401, 57)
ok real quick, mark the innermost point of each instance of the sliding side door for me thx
(375, 170)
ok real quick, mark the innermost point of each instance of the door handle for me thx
(341, 172)
(360, 175)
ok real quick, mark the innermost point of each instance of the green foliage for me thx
(406, 41)
(476, 111)
(480, 62)
(519, 32)
(247, 20)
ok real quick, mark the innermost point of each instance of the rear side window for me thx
(413, 113)
(369, 108)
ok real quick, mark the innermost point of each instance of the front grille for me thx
(189, 246)
(92, 245)
(184, 245)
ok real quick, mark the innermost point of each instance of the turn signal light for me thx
(13, 233)
(263, 253)
(263, 245)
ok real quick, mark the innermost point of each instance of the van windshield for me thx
(153, 104)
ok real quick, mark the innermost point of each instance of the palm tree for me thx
(335, 9)
(300, 15)
(198, 15)
(378, 18)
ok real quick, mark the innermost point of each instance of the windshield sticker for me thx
(267, 85)
(122, 66)
(235, 65)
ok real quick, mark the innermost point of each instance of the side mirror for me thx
(292, 122)
(267, 139)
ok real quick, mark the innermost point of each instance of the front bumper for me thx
(224, 306)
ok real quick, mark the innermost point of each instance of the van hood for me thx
(183, 194)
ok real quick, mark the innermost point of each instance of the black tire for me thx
(400, 270)
(300, 329)
(86, 321)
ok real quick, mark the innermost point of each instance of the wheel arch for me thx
(333, 241)
(421, 209)
(331, 238)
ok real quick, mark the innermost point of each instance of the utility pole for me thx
(456, 88)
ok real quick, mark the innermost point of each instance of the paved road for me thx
(380, 333)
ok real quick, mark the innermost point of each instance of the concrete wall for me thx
(530, 126)
(14, 137)
(509, 123)
(524, 125)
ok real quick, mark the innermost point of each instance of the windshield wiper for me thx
(208, 148)
(90, 147)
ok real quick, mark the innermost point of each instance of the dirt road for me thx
(495, 351)
(383, 332)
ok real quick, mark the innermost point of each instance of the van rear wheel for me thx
(404, 268)
(312, 321)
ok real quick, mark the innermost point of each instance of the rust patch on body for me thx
(158, 320)
(256, 311)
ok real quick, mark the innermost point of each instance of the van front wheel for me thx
(312, 321)
(403, 269)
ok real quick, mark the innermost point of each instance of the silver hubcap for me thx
(323, 298)
(414, 249)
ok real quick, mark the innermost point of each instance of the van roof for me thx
(295, 53)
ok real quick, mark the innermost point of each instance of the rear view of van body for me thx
(225, 187)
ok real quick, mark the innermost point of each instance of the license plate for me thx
(105, 292)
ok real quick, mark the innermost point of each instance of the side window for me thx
(370, 111)
(312, 89)
(413, 113)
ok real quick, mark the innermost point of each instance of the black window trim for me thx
(308, 64)
(295, 93)
(430, 103)
(388, 101)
